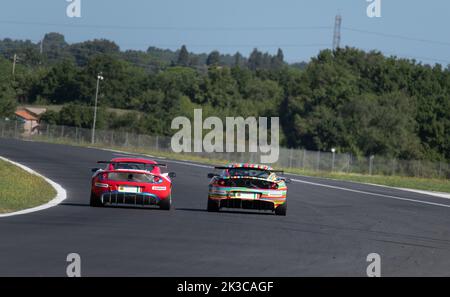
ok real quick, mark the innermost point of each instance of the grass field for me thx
(20, 189)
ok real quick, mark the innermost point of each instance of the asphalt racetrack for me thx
(329, 230)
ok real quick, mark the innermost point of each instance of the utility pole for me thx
(41, 46)
(371, 164)
(99, 77)
(41, 50)
(337, 32)
(333, 151)
(14, 65)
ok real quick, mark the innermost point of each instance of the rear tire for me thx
(213, 206)
(95, 201)
(281, 209)
(166, 204)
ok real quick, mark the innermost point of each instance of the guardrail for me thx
(288, 158)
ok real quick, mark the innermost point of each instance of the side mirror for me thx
(211, 175)
(172, 174)
(94, 170)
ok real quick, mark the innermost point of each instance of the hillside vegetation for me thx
(356, 101)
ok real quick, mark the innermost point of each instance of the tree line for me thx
(352, 100)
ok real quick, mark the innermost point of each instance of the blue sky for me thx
(300, 27)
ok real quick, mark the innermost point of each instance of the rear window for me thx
(131, 177)
(247, 172)
(133, 166)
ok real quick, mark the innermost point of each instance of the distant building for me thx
(29, 117)
(36, 111)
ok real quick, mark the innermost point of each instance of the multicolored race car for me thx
(248, 186)
(131, 182)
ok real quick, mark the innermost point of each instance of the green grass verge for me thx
(21, 190)
(426, 184)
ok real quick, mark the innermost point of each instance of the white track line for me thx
(189, 164)
(429, 193)
(61, 193)
(370, 193)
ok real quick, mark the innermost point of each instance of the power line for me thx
(336, 36)
(406, 56)
(324, 45)
(171, 28)
(410, 57)
(273, 45)
(242, 28)
(39, 42)
(398, 36)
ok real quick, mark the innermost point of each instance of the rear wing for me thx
(135, 162)
(269, 170)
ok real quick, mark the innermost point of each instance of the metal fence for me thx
(288, 158)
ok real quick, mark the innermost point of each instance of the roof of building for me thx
(26, 115)
(37, 111)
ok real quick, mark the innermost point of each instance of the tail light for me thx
(274, 186)
(219, 183)
(103, 176)
(101, 185)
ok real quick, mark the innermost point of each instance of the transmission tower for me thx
(337, 32)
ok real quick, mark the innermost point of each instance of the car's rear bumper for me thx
(264, 199)
(246, 204)
(129, 199)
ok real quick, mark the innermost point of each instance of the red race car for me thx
(131, 182)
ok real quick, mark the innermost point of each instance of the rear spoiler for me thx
(225, 168)
(136, 162)
(221, 167)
